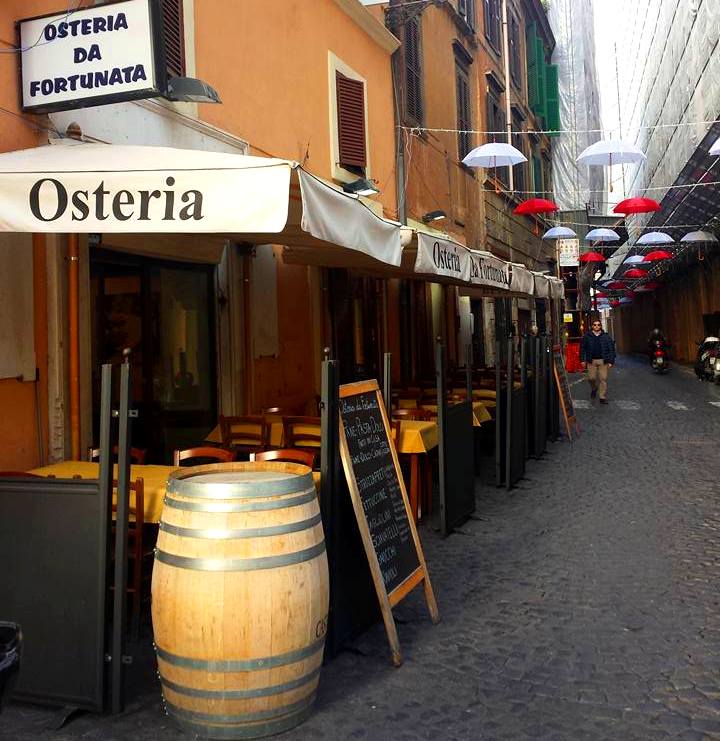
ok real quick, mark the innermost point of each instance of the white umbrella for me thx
(495, 154)
(655, 238)
(700, 236)
(633, 259)
(611, 152)
(602, 235)
(715, 149)
(559, 232)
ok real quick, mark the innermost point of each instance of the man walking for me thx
(597, 354)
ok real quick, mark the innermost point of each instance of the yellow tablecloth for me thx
(154, 477)
(276, 434)
(417, 436)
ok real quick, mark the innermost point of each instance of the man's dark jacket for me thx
(607, 347)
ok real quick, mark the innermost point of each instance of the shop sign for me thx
(567, 317)
(568, 252)
(103, 54)
(437, 256)
(488, 270)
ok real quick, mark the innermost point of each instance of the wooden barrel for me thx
(240, 598)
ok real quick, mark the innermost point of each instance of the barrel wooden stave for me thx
(197, 614)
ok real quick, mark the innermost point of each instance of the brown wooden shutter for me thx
(174, 36)
(414, 109)
(351, 121)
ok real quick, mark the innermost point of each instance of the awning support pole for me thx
(73, 258)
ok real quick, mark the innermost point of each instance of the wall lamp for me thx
(361, 187)
(434, 216)
(190, 90)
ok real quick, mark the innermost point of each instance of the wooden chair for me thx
(302, 433)
(139, 553)
(219, 455)
(285, 455)
(137, 455)
(248, 434)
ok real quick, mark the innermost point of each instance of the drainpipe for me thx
(73, 258)
(396, 66)
(506, 54)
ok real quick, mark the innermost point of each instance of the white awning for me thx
(542, 285)
(113, 189)
(521, 280)
(557, 287)
(488, 270)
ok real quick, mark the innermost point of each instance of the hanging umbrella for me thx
(700, 236)
(602, 235)
(625, 300)
(655, 238)
(600, 294)
(715, 149)
(536, 206)
(494, 154)
(611, 152)
(615, 302)
(615, 285)
(636, 206)
(591, 257)
(559, 232)
(634, 273)
(657, 255)
(649, 286)
(633, 259)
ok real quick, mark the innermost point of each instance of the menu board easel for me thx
(566, 402)
(381, 505)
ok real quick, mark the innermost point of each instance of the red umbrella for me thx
(636, 206)
(634, 273)
(535, 206)
(649, 286)
(591, 257)
(615, 285)
(657, 255)
(600, 294)
(615, 302)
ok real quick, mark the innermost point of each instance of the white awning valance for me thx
(488, 270)
(113, 189)
(542, 285)
(557, 287)
(521, 280)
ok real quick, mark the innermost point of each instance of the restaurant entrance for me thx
(163, 313)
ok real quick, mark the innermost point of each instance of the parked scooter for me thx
(659, 357)
(707, 362)
(10, 648)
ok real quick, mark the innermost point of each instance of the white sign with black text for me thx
(437, 256)
(85, 57)
(568, 252)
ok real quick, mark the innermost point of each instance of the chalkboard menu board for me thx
(380, 502)
(566, 402)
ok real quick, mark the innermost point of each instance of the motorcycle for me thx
(707, 362)
(10, 648)
(659, 357)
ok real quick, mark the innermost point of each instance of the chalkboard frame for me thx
(420, 575)
(563, 386)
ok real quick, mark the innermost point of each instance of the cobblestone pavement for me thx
(582, 605)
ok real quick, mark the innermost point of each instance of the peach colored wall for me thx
(18, 430)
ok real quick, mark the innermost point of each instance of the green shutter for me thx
(537, 176)
(539, 108)
(552, 105)
(532, 74)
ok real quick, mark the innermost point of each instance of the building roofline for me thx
(370, 24)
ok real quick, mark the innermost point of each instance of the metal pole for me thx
(73, 258)
(508, 112)
(508, 407)
(498, 413)
(441, 401)
(468, 373)
(387, 382)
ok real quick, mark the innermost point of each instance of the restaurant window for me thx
(174, 37)
(352, 149)
(518, 141)
(492, 22)
(414, 103)
(466, 8)
(515, 51)
(496, 123)
(464, 111)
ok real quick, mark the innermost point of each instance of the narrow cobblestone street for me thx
(582, 605)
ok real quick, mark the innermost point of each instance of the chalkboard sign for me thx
(380, 502)
(566, 402)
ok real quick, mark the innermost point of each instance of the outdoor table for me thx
(480, 412)
(276, 433)
(154, 477)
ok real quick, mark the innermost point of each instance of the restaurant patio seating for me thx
(285, 455)
(139, 552)
(203, 455)
(137, 455)
(420, 493)
(302, 433)
(245, 434)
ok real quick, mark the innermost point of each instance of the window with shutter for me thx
(532, 80)
(518, 141)
(351, 122)
(414, 108)
(515, 50)
(552, 98)
(466, 8)
(491, 16)
(496, 123)
(464, 114)
(540, 108)
(174, 37)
